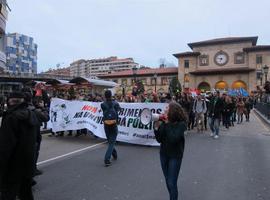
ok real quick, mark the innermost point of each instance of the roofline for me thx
(186, 54)
(131, 75)
(116, 75)
(257, 48)
(225, 41)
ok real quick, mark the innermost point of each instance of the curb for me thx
(262, 117)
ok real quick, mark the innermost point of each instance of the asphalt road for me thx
(234, 167)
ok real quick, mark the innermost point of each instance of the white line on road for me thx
(68, 154)
(260, 121)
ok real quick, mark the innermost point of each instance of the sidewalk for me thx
(262, 117)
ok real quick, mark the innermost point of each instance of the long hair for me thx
(176, 113)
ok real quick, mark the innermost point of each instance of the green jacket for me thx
(171, 138)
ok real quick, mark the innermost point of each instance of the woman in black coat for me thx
(170, 135)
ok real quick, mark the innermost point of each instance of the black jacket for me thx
(171, 138)
(216, 107)
(229, 108)
(17, 144)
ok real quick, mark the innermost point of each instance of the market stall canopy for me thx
(58, 82)
(32, 83)
(95, 82)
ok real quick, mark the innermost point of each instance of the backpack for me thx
(110, 115)
(202, 104)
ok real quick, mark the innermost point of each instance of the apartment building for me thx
(102, 66)
(21, 53)
(3, 19)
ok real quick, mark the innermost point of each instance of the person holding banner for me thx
(170, 134)
(110, 110)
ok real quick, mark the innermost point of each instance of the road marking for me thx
(68, 154)
(255, 114)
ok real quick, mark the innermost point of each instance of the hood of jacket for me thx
(22, 113)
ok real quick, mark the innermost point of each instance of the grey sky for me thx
(147, 30)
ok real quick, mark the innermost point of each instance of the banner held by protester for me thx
(74, 115)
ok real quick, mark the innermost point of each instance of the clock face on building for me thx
(221, 58)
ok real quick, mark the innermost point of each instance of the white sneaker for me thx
(212, 134)
(216, 137)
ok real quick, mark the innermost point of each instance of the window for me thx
(258, 59)
(186, 78)
(164, 81)
(186, 63)
(239, 58)
(152, 81)
(203, 60)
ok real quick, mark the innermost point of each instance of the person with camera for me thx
(170, 135)
(110, 110)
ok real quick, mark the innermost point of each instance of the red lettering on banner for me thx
(90, 108)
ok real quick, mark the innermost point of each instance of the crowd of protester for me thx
(198, 107)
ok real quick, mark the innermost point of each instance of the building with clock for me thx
(224, 63)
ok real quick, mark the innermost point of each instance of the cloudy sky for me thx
(147, 30)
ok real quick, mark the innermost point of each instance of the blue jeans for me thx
(214, 125)
(171, 168)
(111, 134)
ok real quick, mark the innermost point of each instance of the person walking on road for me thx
(248, 107)
(110, 110)
(199, 108)
(17, 149)
(215, 112)
(170, 135)
(240, 110)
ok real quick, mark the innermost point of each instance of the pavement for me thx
(234, 167)
(263, 118)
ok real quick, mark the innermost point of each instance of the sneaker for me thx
(107, 163)
(216, 137)
(212, 134)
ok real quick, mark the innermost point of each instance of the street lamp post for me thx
(134, 89)
(134, 70)
(155, 77)
(265, 71)
(123, 89)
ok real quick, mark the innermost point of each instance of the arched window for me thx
(204, 86)
(221, 85)
(239, 84)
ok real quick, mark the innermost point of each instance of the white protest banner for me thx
(74, 115)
